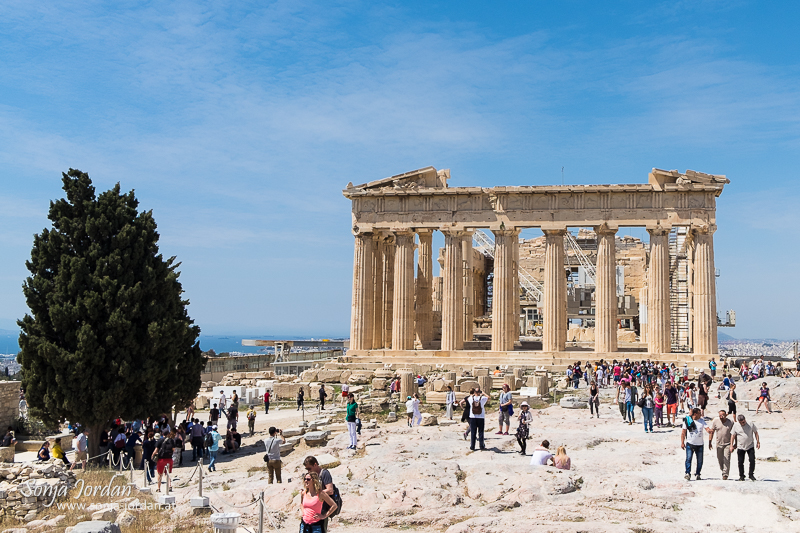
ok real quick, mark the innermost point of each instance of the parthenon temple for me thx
(491, 303)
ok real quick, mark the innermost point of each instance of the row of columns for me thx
(384, 291)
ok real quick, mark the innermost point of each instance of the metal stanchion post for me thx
(200, 466)
(261, 513)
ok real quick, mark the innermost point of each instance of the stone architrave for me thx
(505, 295)
(377, 292)
(362, 315)
(468, 290)
(605, 324)
(554, 333)
(403, 321)
(453, 292)
(658, 315)
(388, 290)
(424, 307)
(705, 298)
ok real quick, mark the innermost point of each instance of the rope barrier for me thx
(245, 506)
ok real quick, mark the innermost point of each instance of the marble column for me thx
(388, 290)
(361, 311)
(504, 293)
(554, 334)
(705, 293)
(453, 292)
(468, 291)
(403, 305)
(377, 292)
(605, 321)
(658, 315)
(424, 307)
(516, 289)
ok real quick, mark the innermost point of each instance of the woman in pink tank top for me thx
(311, 499)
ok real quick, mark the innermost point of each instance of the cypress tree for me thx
(108, 333)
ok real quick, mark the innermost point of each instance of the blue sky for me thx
(239, 124)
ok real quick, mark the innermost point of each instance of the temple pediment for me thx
(658, 178)
(423, 178)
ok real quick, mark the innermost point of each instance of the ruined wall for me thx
(9, 403)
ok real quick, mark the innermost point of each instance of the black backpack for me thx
(337, 498)
(208, 441)
(165, 450)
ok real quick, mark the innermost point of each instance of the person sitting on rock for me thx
(561, 460)
(44, 452)
(541, 455)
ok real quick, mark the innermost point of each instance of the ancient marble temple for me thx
(392, 296)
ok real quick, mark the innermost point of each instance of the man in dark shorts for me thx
(672, 403)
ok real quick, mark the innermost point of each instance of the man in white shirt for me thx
(541, 456)
(409, 409)
(477, 416)
(692, 441)
(81, 449)
(222, 401)
(744, 437)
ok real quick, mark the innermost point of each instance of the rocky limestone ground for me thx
(426, 479)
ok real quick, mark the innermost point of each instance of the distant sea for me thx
(219, 343)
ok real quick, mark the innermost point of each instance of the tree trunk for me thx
(94, 442)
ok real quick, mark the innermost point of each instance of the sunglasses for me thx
(307, 479)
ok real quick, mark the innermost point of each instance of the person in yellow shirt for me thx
(251, 419)
(58, 453)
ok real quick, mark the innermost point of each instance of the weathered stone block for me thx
(379, 383)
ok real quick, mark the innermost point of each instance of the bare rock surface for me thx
(622, 479)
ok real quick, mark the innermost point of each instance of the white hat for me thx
(524, 404)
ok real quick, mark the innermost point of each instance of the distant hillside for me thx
(724, 336)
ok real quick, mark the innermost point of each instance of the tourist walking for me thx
(196, 435)
(621, 387)
(251, 420)
(631, 399)
(416, 415)
(213, 448)
(477, 416)
(273, 456)
(81, 449)
(594, 399)
(164, 451)
(692, 441)
(647, 403)
(732, 400)
(223, 401)
(148, 463)
(322, 396)
(350, 419)
(721, 427)
(671, 394)
(658, 410)
(301, 394)
(266, 402)
(312, 497)
(465, 414)
(744, 437)
(345, 392)
(523, 429)
(213, 416)
(326, 482)
(409, 410)
(233, 416)
(506, 410)
(450, 400)
(763, 398)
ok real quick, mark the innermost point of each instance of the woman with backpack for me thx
(647, 403)
(465, 415)
(312, 497)
(163, 452)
